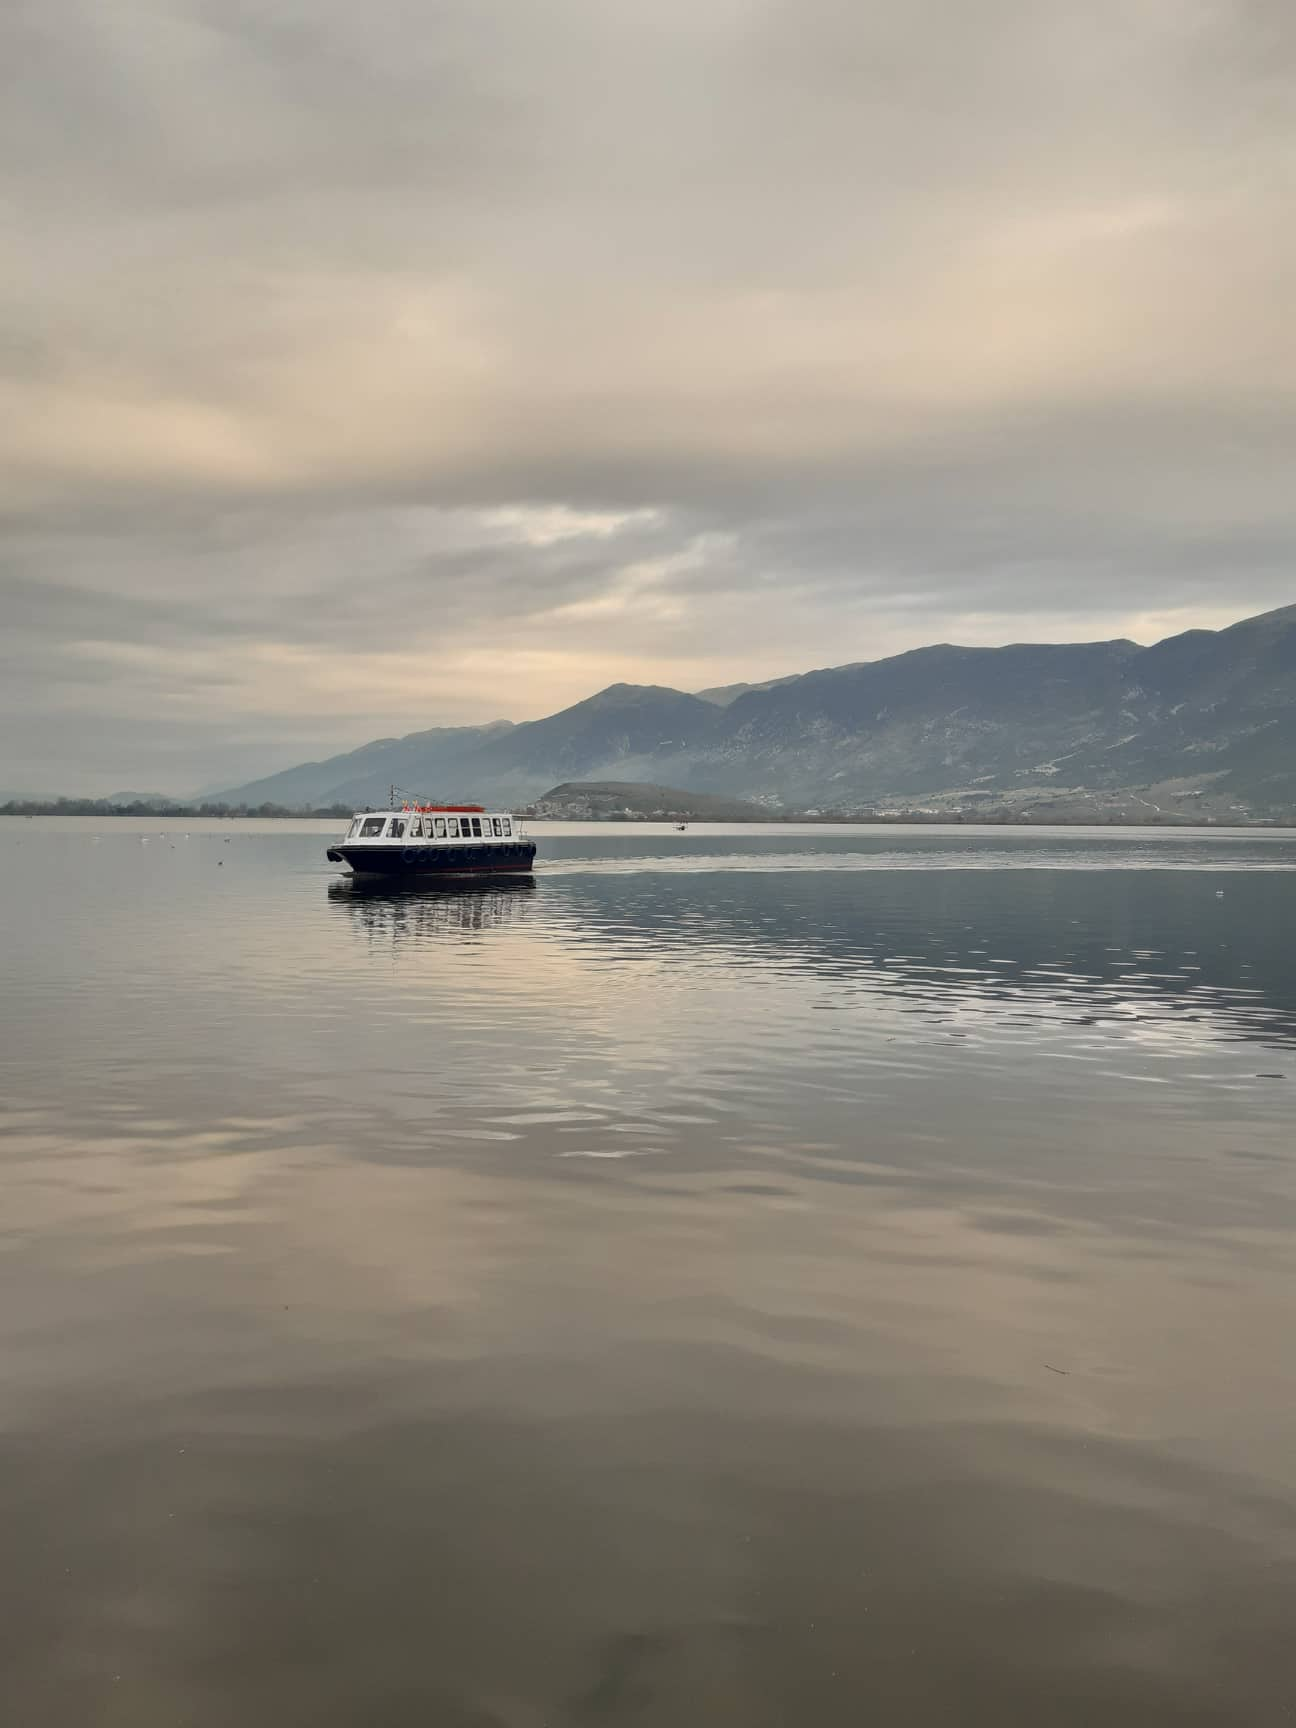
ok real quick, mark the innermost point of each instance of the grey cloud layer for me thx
(889, 321)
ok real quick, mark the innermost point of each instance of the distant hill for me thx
(1203, 724)
(424, 762)
(721, 695)
(1212, 713)
(635, 727)
(599, 800)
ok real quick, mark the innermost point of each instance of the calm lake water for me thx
(741, 1278)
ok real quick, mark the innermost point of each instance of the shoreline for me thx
(899, 819)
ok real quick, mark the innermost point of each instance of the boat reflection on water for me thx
(427, 909)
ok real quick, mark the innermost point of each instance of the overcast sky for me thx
(366, 367)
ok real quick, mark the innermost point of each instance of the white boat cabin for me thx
(428, 825)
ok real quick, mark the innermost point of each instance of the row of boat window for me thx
(431, 827)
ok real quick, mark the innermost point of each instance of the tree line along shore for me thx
(835, 818)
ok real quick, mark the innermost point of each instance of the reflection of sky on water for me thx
(647, 1293)
(1061, 951)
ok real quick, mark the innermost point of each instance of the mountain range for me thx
(1201, 723)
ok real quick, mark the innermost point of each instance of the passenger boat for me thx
(432, 840)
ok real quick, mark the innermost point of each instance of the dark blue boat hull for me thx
(395, 863)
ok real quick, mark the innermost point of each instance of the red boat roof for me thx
(451, 809)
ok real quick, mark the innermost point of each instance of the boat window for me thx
(372, 828)
(354, 829)
(508, 826)
(497, 825)
(453, 824)
(416, 828)
(440, 827)
(397, 828)
(476, 822)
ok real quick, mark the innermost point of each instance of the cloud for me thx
(684, 341)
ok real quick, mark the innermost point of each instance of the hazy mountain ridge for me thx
(597, 800)
(1211, 715)
(364, 775)
(721, 695)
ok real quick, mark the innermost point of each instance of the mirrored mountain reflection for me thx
(1062, 947)
(725, 1282)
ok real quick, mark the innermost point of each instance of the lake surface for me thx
(741, 1278)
